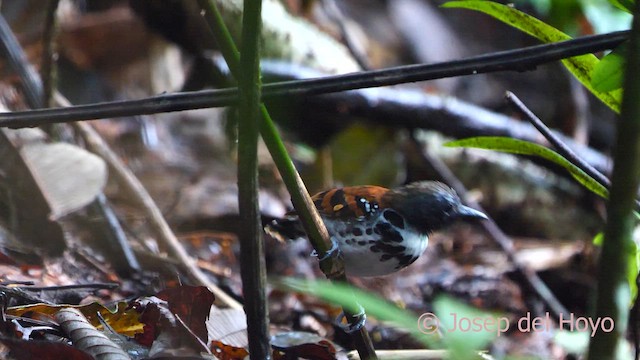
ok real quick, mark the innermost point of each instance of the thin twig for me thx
(25, 296)
(517, 60)
(195, 338)
(562, 148)
(124, 260)
(422, 354)
(495, 233)
(355, 47)
(137, 192)
(16, 282)
(92, 286)
(48, 70)
(559, 144)
(25, 321)
(11, 50)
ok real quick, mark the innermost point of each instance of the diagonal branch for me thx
(300, 198)
(515, 60)
(557, 142)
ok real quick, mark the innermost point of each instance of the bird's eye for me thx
(448, 207)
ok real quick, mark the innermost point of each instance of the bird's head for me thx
(430, 205)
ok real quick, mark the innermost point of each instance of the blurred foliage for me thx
(609, 72)
(450, 319)
(580, 66)
(570, 15)
(521, 147)
(576, 17)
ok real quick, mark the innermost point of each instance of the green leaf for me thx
(514, 18)
(573, 342)
(632, 271)
(580, 66)
(609, 72)
(603, 17)
(346, 296)
(625, 5)
(521, 147)
(467, 329)
(598, 239)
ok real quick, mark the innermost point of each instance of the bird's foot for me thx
(331, 262)
(333, 253)
(355, 325)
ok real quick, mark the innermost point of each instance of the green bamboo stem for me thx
(300, 198)
(313, 224)
(252, 265)
(613, 293)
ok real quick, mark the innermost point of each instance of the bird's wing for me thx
(349, 202)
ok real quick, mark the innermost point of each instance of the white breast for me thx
(367, 253)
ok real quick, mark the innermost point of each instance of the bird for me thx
(378, 230)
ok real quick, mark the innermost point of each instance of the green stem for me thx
(300, 198)
(313, 224)
(613, 294)
(252, 264)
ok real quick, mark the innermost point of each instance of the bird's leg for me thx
(334, 252)
(331, 262)
(360, 317)
(350, 327)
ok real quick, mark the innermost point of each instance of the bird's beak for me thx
(470, 213)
